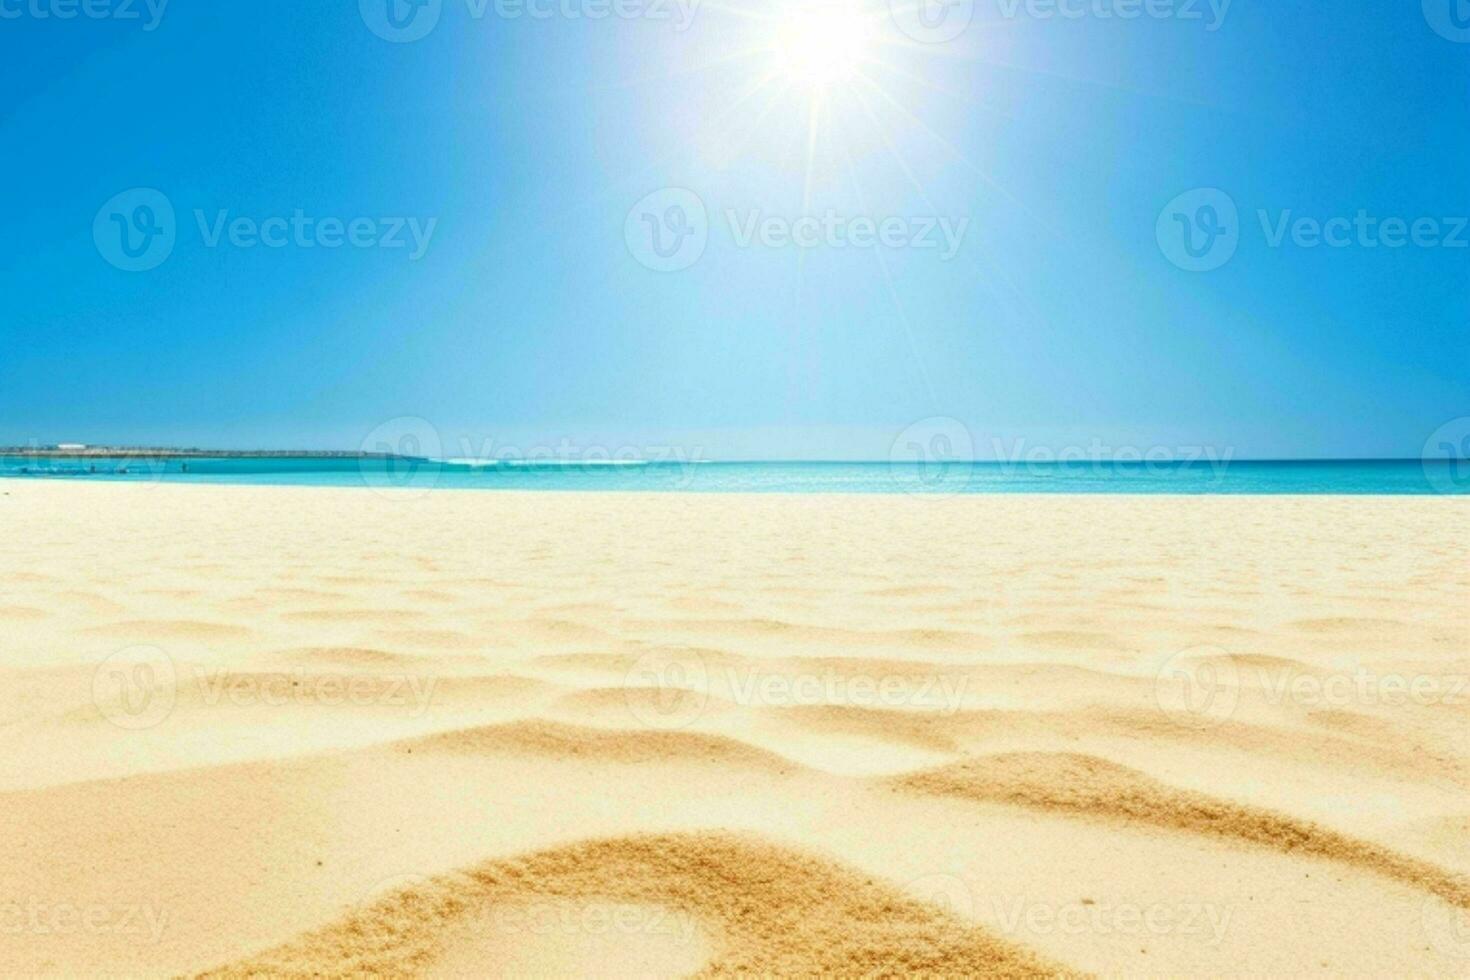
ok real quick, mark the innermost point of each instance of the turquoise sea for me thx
(1239, 477)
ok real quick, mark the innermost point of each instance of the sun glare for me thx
(822, 46)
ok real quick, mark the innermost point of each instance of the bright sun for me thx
(824, 45)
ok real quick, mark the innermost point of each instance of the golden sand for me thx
(767, 910)
(264, 731)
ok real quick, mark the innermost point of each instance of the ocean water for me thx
(1219, 477)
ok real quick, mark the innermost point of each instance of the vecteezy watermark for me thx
(37, 917)
(403, 21)
(1363, 230)
(949, 892)
(938, 455)
(55, 462)
(933, 456)
(836, 231)
(1199, 231)
(669, 689)
(137, 230)
(135, 688)
(139, 687)
(147, 13)
(1019, 916)
(942, 694)
(572, 917)
(1100, 456)
(932, 21)
(1211, 13)
(1446, 457)
(1449, 18)
(572, 455)
(1357, 686)
(409, 453)
(669, 230)
(1202, 920)
(1200, 685)
(413, 692)
(402, 454)
(301, 230)
(559, 916)
(394, 886)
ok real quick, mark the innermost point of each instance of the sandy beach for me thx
(265, 731)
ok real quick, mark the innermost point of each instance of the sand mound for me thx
(637, 703)
(1086, 785)
(766, 909)
(169, 629)
(1067, 640)
(355, 614)
(572, 741)
(1265, 660)
(754, 628)
(931, 731)
(431, 639)
(366, 657)
(611, 663)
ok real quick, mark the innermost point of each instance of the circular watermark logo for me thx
(1449, 18)
(136, 230)
(667, 689)
(1446, 457)
(401, 21)
(1448, 927)
(932, 21)
(1200, 684)
(135, 688)
(945, 891)
(1199, 230)
(933, 456)
(401, 454)
(385, 888)
(668, 230)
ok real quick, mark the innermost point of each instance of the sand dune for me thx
(1085, 785)
(762, 910)
(337, 732)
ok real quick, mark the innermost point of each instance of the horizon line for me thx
(194, 452)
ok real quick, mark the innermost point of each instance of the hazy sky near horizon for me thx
(1026, 227)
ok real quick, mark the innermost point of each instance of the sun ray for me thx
(813, 127)
(755, 124)
(898, 308)
(962, 158)
(892, 291)
(934, 86)
(893, 151)
(997, 268)
(703, 67)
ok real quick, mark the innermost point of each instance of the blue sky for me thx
(1050, 146)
